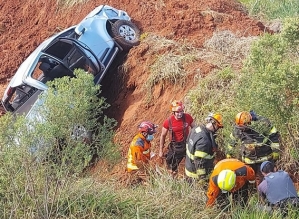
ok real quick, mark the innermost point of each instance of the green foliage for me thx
(272, 9)
(43, 155)
(270, 82)
(290, 32)
(90, 200)
(215, 93)
(76, 118)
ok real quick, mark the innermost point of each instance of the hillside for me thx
(25, 24)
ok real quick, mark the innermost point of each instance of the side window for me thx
(20, 95)
(77, 59)
(37, 73)
(59, 49)
(89, 67)
(42, 70)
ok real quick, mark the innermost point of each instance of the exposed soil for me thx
(25, 24)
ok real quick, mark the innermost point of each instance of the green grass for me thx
(272, 9)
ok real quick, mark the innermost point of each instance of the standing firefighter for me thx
(230, 176)
(139, 152)
(178, 126)
(258, 138)
(201, 147)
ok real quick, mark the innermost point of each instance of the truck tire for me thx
(126, 34)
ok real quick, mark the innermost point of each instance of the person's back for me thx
(244, 175)
(277, 188)
(280, 187)
(201, 147)
(258, 139)
(255, 147)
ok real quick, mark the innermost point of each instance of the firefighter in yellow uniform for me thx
(139, 152)
(257, 139)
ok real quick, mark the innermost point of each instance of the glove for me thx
(253, 115)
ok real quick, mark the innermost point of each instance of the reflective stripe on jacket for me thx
(255, 147)
(199, 150)
(243, 172)
(258, 160)
(139, 150)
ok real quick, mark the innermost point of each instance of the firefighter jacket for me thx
(139, 150)
(244, 174)
(199, 152)
(256, 146)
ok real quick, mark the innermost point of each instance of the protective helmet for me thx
(226, 180)
(215, 117)
(177, 106)
(243, 118)
(147, 127)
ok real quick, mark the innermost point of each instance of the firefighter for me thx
(177, 125)
(230, 176)
(201, 147)
(257, 138)
(277, 188)
(139, 152)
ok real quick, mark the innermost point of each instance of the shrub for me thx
(270, 80)
(40, 155)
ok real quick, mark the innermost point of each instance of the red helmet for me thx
(148, 127)
(177, 106)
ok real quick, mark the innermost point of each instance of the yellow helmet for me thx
(243, 118)
(216, 117)
(226, 180)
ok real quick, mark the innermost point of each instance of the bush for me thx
(41, 157)
(270, 82)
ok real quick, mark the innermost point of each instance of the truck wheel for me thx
(126, 34)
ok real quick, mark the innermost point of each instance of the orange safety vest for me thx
(139, 150)
(243, 172)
